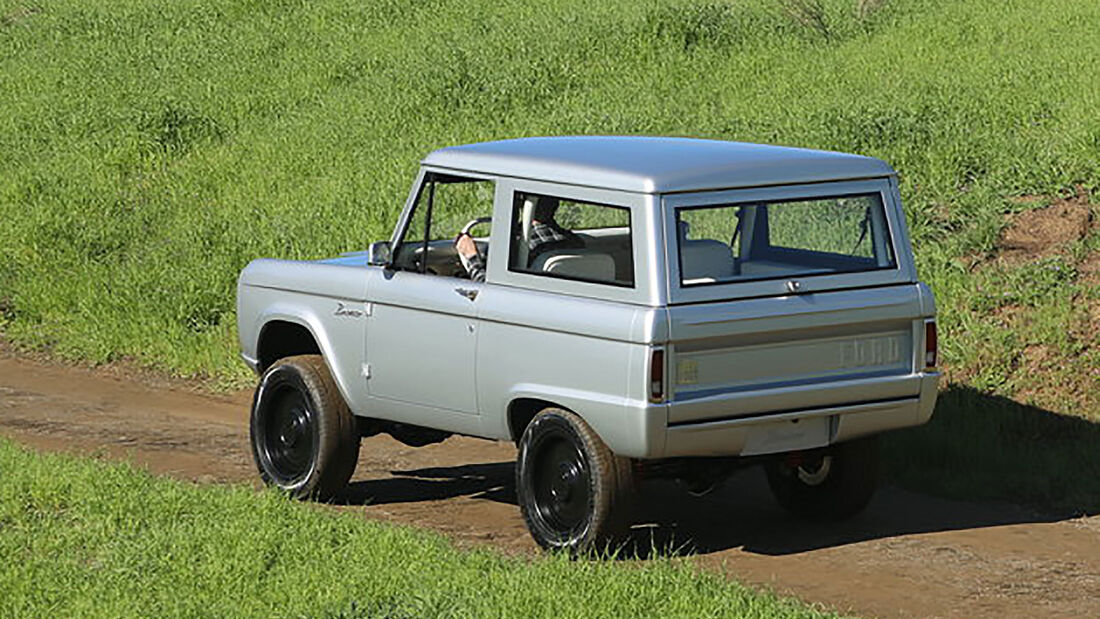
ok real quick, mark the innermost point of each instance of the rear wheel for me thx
(831, 484)
(572, 489)
(304, 437)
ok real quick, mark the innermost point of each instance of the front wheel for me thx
(831, 484)
(304, 437)
(572, 489)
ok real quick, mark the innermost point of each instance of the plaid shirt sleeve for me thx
(544, 234)
(475, 267)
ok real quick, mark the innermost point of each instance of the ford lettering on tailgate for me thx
(870, 351)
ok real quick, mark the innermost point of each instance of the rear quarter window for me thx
(569, 239)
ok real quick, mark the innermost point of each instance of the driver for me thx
(545, 235)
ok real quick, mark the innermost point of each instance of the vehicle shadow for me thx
(494, 481)
(743, 514)
(984, 461)
(981, 446)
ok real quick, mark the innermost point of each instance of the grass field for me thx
(82, 538)
(149, 150)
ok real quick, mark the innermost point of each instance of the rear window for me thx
(775, 240)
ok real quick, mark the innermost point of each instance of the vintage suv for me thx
(637, 307)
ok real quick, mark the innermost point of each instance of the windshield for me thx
(773, 240)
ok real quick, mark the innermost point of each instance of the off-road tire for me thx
(313, 451)
(843, 491)
(595, 512)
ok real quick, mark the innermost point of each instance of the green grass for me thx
(149, 150)
(82, 538)
(979, 446)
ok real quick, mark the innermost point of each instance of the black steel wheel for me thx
(289, 437)
(304, 437)
(828, 484)
(572, 490)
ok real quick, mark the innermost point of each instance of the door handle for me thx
(469, 293)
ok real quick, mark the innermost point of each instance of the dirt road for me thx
(908, 555)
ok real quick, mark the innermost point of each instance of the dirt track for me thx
(908, 555)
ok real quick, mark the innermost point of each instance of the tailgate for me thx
(753, 357)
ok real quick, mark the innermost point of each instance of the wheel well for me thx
(280, 339)
(520, 413)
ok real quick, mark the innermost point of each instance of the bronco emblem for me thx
(344, 310)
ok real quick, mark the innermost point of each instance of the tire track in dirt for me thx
(908, 555)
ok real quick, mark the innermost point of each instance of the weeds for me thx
(865, 8)
(809, 14)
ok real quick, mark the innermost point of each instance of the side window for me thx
(568, 239)
(444, 206)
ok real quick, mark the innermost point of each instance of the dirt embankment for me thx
(1046, 231)
(908, 555)
(1057, 362)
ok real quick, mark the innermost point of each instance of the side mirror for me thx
(379, 254)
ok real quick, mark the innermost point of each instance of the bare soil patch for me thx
(908, 555)
(1045, 231)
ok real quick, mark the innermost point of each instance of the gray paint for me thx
(743, 360)
(655, 164)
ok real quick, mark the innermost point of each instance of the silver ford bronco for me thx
(620, 308)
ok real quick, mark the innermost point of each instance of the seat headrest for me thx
(577, 263)
(705, 259)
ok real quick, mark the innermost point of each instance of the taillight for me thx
(931, 352)
(657, 375)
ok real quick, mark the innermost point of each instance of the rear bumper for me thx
(728, 404)
(792, 430)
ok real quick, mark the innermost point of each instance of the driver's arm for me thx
(471, 261)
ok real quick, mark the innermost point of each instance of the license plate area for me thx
(787, 435)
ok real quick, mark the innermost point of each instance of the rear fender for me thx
(628, 427)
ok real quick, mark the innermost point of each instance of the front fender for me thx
(338, 338)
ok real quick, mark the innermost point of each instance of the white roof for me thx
(655, 164)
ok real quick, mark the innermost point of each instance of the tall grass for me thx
(148, 150)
